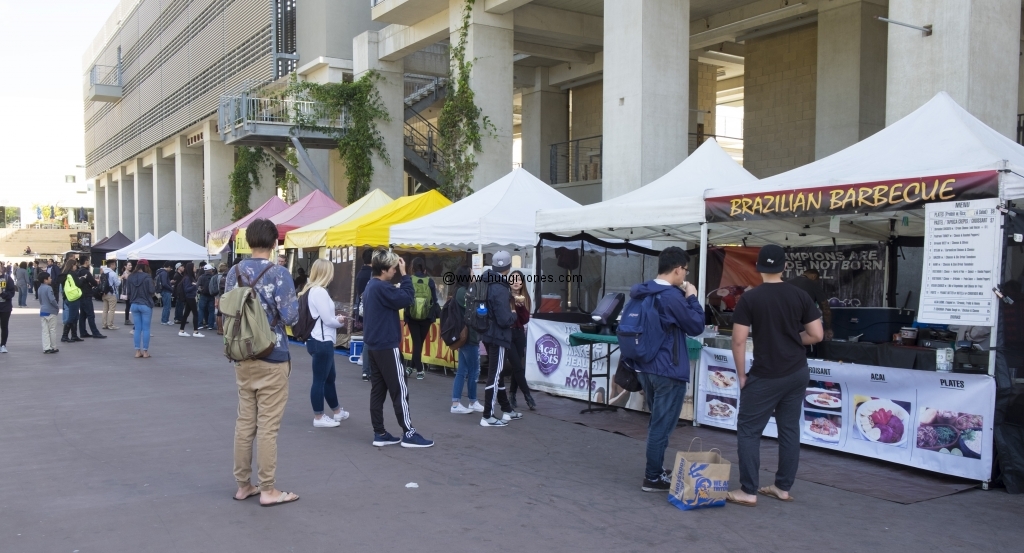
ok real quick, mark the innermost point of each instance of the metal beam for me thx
(291, 169)
(304, 157)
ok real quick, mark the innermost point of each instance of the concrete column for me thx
(389, 179)
(489, 47)
(110, 198)
(218, 162)
(164, 197)
(266, 189)
(126, 202)
(143, 199)
(703, 98)
(973, 55)
(545, 122)
(100, 195)
(646, 84)
(851, 74)
(188, 193)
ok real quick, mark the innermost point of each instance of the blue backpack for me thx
(640, 331)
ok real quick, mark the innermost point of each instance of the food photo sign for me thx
(941, 422)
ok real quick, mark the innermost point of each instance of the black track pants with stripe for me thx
(387, 376)
(498, 369)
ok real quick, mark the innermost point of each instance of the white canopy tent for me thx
(938, 139)
(671, 206)
(122, 254)
(500, 214)
(172, 246)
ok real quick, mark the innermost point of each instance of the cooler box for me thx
(550, 303)
(355, 350)
(877, 324)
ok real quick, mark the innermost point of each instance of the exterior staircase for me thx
(44, 242)
(422, 159)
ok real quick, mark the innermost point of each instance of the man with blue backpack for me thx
(652, 338)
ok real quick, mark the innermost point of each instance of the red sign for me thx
(893, 195)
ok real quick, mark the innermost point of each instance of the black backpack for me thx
(477, 310)
(454, 331)
(302, 329)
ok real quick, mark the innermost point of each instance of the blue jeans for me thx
(665, 401)
(468, 371)
(23, 296)
(143, 317)
(71, 311)
(206, 311)
(165, 301)
(323, 375)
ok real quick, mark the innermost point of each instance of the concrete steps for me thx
(47, 242)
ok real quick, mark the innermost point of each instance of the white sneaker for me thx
(511, 416)
(3, 349)
(493, 422)
(477, 407)
(198, 334)
(325, 422)
(183, 334)
(461, 410)
(341, 415)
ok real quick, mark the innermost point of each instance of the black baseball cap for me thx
(771, 259)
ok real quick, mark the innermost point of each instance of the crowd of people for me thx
(497, 309)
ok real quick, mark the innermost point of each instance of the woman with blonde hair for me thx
(320, 344)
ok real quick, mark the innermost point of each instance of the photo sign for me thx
(891, 195)
(942, 422)
(960, 263)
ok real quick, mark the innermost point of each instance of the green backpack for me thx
(71, 290)
(420, 308)
(247, 333)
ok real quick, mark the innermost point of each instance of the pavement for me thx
(107, 453)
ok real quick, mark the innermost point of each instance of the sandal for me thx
(146, 355)
(772, 491)
(730, 498)
(138, 354)
(281, 500)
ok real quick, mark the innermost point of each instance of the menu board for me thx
(960, 263)
(941, 422)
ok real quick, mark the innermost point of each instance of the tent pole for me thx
(702, 273)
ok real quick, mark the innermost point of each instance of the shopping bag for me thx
(699, 479)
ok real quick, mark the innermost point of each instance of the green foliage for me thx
(460, 123)
(244, 178)
(359, 106)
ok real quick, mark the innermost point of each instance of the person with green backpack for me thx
(421, 314)
(71, 295)
(259, 300)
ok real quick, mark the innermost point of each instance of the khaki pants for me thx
(262, 395)
(109, 305)
(49, 331)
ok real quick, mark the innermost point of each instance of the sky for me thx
(41, 133)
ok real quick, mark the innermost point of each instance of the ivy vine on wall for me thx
(460, 123)
(244, 178)
(358, 106)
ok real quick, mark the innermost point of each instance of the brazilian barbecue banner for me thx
(890, 195)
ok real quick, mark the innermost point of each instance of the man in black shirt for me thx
(810, 282)
(784, 321)
(85, 281)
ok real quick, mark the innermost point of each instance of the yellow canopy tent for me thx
(314, 235)
(374, 229)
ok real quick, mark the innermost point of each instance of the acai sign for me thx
(549, 353)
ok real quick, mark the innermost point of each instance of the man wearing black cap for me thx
(498, 340)
(784, 320)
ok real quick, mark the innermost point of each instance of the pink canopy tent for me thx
(308, 210)
(220, 238)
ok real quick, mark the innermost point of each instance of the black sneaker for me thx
(385, 439)
(415, 440)
(366, 378)
(98, 336)
(662, 484)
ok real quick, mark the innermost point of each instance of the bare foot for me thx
(246, 492)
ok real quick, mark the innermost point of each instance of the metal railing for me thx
(421, 137)
(242, 109)
(1020, 128)
(109, 75)
(576, 160)
(695, 140)
(375, 2)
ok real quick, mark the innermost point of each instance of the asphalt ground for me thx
(107, 453)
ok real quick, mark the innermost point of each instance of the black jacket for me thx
(499, 309)
(163, 281)
(85, 280)
(362, 278)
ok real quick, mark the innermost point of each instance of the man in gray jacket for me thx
(498, 339)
